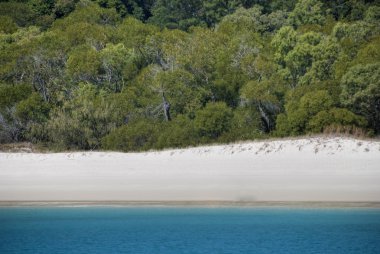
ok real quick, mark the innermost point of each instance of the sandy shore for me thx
(207, 204)
(314, 169)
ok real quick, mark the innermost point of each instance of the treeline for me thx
(136, 75)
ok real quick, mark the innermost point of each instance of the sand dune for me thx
(310, 169)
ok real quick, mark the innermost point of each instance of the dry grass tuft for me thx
(347, 130)
(23, 147)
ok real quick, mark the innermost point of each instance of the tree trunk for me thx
(166, 108)
(265, 118)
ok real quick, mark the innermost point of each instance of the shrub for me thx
(213, 120)
(11, 94)
(335, 116)
(245, 124)
(178, 133)
(137, 136)
(83, 120)
(32, 109)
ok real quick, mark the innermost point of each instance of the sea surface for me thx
(155, 230)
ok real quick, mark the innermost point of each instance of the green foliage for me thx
(7, 25)
(180, 132)
(361, 92)
(78, 74)
(299, 113)
(307, 12)
(33, 109)
(11, 94)
(369, 53)
(334, 116)
(213, 120)
(11, 129)
(215, 10)
(253, 20)
(283, 42)
(176, 13)
(63, 7)
(137, 136)
(245, 125)
(19, 12)
(90, 16)
(33, 113)
(118, 66)
(372, 14)
(83, 64)
(83, 120)
(42, 7)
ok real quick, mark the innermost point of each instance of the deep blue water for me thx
(150, 230)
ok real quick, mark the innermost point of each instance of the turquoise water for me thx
(188, 230)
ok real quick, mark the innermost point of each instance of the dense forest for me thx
(134, 75)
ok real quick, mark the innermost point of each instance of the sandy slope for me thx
(315, 169)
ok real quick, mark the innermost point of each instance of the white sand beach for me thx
(308, 169)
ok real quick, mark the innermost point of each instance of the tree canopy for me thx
(148, 74)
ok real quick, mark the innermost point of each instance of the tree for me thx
(43, 11)
(83, 120)
(307, 12)
(165, 94)
(134, 35)
(10, 95)
(283, 42)
(262, 94)
(253, 20)
(246, 124)
(372, 15)
(298, 60)
(42, 7)
(41, 63)
(20, 12)
(11, 129)
(180, 132)
(334, 116)
(352, 36)
(7, 25)
(324, 57)
(32, 110)
(138, 136)
(199, 55)
(83, 65)
(63, 8)
(118, 66)
(213, 11)
(33, 113)
(213, 120)
(88, 12)
(176, 13)
(299, 112)
(361, 92)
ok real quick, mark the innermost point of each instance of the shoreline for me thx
(191, 204)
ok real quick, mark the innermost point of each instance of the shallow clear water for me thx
(188, 230)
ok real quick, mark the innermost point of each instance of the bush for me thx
(137, 136)
(11, 129)
(33, 109)
(298, 114)
(178, 133)
(246, 124)
(83, 120)
(335, 116)
(213, 120)
(11, 94)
